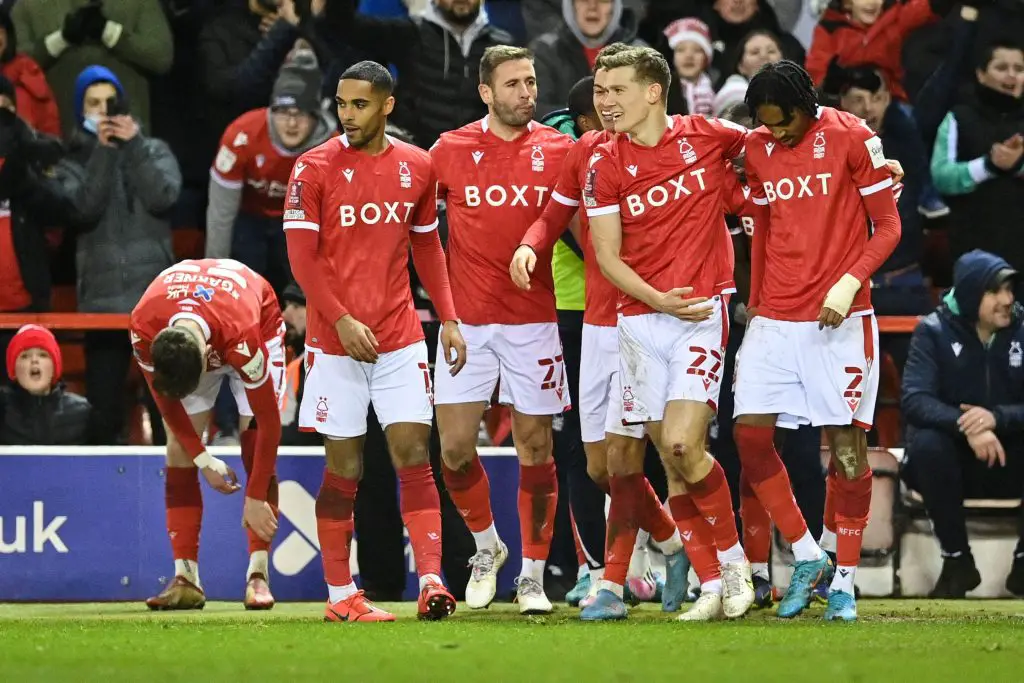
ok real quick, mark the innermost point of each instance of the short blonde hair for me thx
(649, 64)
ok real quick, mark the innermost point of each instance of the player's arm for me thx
(559, 215)
(310, 267)
(432, 267)
(869, 172)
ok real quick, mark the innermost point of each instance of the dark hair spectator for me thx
(754, 50)
(36, 104)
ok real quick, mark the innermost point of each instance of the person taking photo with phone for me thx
(121, 185)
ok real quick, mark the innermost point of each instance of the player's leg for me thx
(533, 382)
(843, 398)
(402, 397)
(184, 503)
(460, 402)
(757, 541)
(699, 540)
(257, 574)
(334, 404)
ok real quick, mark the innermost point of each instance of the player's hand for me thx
(673, 302)
(896, 169)
(357, 339)
(987, 448)
(259, 516)
(522, 265)
(838, 301)
(451, 339)
(220, 477)
(975, 420)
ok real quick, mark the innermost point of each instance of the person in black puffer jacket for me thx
(963, 399)
(36, 410)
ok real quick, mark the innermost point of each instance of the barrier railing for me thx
(887, 324)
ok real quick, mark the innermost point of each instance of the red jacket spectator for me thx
(36, 104)
(853, 36)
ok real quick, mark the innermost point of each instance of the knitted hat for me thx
(34, 337)
(691, 29)
(298, 84)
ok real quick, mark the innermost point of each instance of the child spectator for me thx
(36, 410)
(856, 32)
(690, 42)
(759, 47)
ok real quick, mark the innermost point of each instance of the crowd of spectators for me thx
(123, 121)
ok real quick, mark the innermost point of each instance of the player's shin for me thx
(334, 526)
(421, 514)
(538, 502)
(757, 529)
(184, 502)
(470, 490)
(853, 505)
(258, 548)
(828, 529)
(763, 469)
(699, 541)
(624, 516)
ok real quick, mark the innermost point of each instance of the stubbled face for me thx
(994, 311)
(33, 370)
(94, 103)
(689, 60)
(788, 129)
(629, 102)
(1005, 72)
(757, 52)
(864, 11)
(736, 11)
(362, 112)
(512, 93)
(870, 106)
(292, 125)
(460, 12)
(593, 16)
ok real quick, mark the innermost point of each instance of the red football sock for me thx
(654, 519)
(335, 525)
(757, 525)
(421, 513)
(830, 498)
(581, 557)
(853, 505)
(698, 538)
(538, 501)
(248, 447)
(184, 503)
(712, 497)
(767, 476)
(624, 516)
(471, 492)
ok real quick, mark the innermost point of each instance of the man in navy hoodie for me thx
(963, 400)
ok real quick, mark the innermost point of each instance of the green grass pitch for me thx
(907, 641)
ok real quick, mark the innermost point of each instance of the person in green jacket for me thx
(130, 37)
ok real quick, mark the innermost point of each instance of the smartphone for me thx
(116, 107)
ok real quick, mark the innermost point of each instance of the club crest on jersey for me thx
(537, 158)
(241, 140)
(819, 145)
(404, 175)
(687, 151)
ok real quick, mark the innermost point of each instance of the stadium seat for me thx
(887, 411)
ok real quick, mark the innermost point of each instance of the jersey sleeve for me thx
(437, 160)
(229, 164)
(601, 189)
(866, 161)
(731, 136)
(302, 199)
(757, 194)
(424, 215)
(249, 358)
(567, 188)
(141, 351)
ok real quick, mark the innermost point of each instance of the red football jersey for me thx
(494, 190)
(600, 295)
(249, 159)
(670, 198)
(235, 306)
(818, 227)
(363, 207)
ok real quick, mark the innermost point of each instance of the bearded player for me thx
(197, 323)
(496, 175)
(655, 202)
(354, 205)
(820, 176)
(605, 437)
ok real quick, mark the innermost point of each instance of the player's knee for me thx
(688, 458)
(457, 453)
(598, 472)
(533, 444)
(410, 454)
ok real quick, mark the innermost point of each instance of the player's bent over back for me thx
(198, 322)
(827, 221)
(353, 206)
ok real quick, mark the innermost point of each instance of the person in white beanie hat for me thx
(690, 42)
